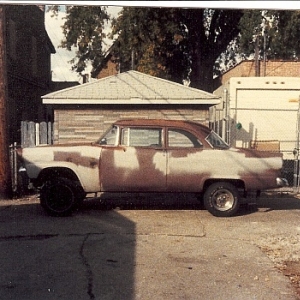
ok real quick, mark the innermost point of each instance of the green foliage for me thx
(83, 29)
(250, 26)
(175, 43)
(284, 43)
(281, 29)
(152, 35)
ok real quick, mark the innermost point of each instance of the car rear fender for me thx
(238, 183)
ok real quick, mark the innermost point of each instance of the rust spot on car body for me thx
(132, 169)
(76, 158)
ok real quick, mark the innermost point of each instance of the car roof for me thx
(162, 122)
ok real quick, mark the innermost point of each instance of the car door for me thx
(185, 161)
(137, 164)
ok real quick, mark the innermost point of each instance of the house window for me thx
(34, 56)
(12, 39)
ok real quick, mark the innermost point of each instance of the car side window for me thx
(141, 137)
(182, 139)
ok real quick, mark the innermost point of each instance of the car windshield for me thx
(216, 141)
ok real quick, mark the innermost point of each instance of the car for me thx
(144, 155)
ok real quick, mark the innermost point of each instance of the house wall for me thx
(73, 124)
(28, 49)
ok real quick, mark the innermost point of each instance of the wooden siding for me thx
(87, 125)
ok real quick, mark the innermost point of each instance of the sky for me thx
(60, 66)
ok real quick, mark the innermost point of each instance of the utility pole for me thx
(132, 59)
(5, 179)
(265, 42)
(257, 62)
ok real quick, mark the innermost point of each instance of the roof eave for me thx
(131, 101)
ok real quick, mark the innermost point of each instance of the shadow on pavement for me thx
(143, 201)
(92, 254)
(153, 201)
(279, 201)
(78, 257)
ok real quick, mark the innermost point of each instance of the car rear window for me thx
(183, 139)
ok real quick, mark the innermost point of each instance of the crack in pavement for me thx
(89, 273)
(38, 237)
(84, 259)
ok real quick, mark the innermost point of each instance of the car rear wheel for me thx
(221, 199)
(58, 196)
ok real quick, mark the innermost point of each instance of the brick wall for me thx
(111, 68)
(273, 68)
(88, 124)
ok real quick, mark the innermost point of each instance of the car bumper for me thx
(281, 182)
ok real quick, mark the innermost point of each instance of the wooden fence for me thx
(33, 134)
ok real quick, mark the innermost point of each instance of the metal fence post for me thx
(14, 167)
(296, 152)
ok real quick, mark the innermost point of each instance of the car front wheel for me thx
(58, 196)
(221, 199)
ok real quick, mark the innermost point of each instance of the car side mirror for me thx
(103, 141)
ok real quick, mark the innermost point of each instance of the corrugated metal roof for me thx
(131, 87)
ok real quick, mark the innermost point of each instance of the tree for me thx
(153, 38)
(281, 29)
(171, 43)
(83, 29)
(182, 41)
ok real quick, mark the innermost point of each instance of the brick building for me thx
(108, 67)
(246, 68)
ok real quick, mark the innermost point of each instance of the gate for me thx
(32, 134)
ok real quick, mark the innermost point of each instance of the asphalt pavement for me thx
(148, 247)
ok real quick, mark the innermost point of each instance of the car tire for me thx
(221, 199)
(58, 196)
(80, 195)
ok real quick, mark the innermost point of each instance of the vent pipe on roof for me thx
(85, 78)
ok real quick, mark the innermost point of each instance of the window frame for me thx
(200, 147)
(129, 128)
(103, 137)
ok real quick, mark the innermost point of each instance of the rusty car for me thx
(143, 155)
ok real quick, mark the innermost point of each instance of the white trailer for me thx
(259, 111)
(262, 113)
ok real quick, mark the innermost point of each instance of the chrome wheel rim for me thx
(222, 200)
